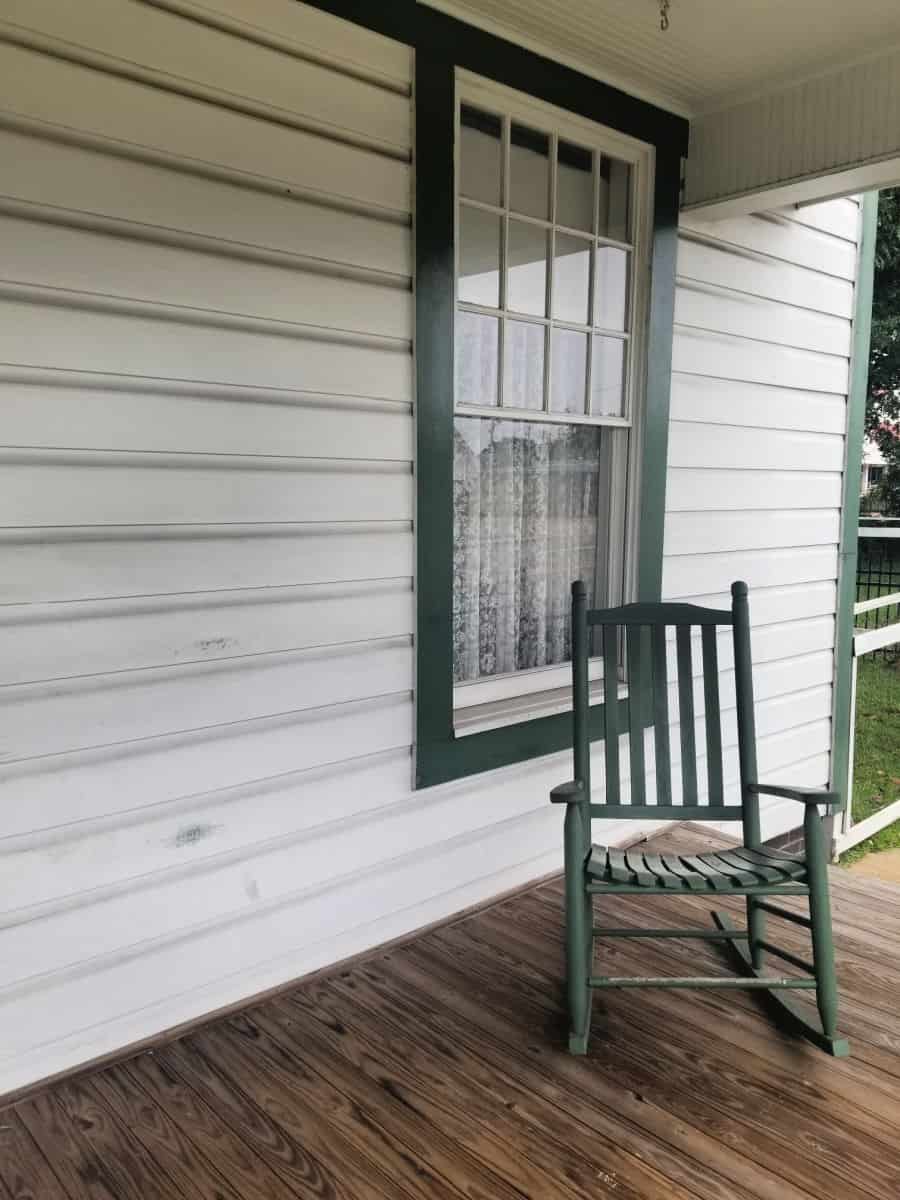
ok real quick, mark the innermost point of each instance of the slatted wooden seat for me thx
(638, 643)
(724, 871)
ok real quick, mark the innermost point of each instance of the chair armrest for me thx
(804, 795)
(568, 793)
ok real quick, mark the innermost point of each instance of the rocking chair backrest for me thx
(640, 630)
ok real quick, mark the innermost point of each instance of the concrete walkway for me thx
(884, 864)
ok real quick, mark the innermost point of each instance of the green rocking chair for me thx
(637, 633)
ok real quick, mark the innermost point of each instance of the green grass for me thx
(876, 772)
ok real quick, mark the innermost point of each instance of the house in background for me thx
(284, 593)
(872, 467)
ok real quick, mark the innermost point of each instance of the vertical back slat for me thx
(611, 712)
(686, 715)
(636, 677)
(581, 697)
(713, 715)
(661, 715)
(746, 720)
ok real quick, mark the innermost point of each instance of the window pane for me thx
(477, 358)
(571, 276)
(479, 256)
(615, 188)
(479, 154)
(608, 377)
(611, 288)
(529, 172)
(523, 365)
(568, 368)
(574, 187)
(527, 271)
(526, 518)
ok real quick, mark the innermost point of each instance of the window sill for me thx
(498, 714)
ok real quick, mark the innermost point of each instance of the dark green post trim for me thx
(434, 233)
(654, 451)
(841, 725)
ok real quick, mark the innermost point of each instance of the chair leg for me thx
(756, 927)
(579, 934)
(820, 922)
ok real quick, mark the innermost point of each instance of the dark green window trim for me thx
(841, 725)
(440, 756)
(443, 43)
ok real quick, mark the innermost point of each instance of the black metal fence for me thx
(878, 574)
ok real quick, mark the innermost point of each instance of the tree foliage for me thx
(883, 400)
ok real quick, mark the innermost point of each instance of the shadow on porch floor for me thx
(435, 1069)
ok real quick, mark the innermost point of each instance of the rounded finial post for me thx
(739, 589)
(578, 589)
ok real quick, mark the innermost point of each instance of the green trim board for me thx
(842, 717)
(441, 755)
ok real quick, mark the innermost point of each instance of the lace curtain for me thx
(525, 506)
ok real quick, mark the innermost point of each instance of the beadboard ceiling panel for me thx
(714, 53)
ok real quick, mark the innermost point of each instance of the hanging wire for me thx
(664, 6)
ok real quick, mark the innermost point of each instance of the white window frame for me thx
(506, 699)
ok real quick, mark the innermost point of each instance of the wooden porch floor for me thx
(436, 1070)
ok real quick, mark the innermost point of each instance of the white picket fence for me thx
(865, 641)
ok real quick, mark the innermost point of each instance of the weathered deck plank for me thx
(436, 1069)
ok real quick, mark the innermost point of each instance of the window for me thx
(548, 212)
(533, 249)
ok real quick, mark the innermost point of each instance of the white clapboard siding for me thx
(756, 455)
(839, 217)
(98, 265)
(202, 60)
(726, 265)
(206, 610)
(112, 561)
(710, 401)
(90, 188)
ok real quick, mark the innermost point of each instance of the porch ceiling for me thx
(715, 52)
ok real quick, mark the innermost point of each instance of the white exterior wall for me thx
(761, 369)
(206, 632)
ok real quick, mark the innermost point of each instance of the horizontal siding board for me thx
(758, 489)
(308, 30)
(100, 637)
(750, 360)
(749, 530)
(775, 236)
(60, 716)
(78, 339)
(83, 564)
(103, 488)
(755, 406)
(700, 573)
(716, 309)
(838, 217)
(97, 264)
(699, 445)
(33, 85)
(182, 53)
(154, 201)
(59, 410)
(728, 266)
